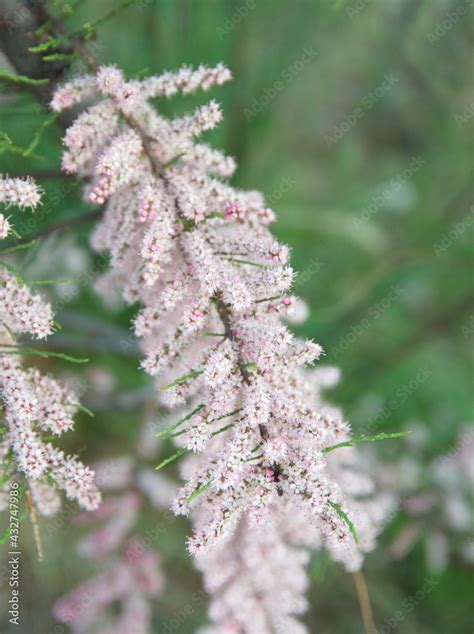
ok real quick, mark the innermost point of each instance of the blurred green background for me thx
(355, 118)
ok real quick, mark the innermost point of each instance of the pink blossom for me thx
(34, 403)
(22, 192)
(214, 284)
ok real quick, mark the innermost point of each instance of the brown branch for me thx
(81, 49)
(34, 523)
(59, 226)
(224, 315)
(364, 602)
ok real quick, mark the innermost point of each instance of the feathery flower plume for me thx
(34, 405)
(4, 227)
(130, 572)
(214, 285)
(131, 580)
(244, 576)
(22, 192)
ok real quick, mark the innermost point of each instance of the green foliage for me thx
(182, 379)
(165, 432)
(198, 492)
(59, 57)
(175, 456)
(13, 270)
(358, 439)
(45, 354)
(47, 45)
(18, 247)
(39, 134)
(22, 79)
(346, 519)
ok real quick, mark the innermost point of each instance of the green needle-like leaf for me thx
(48, 282)
(359, 439)
(39, 133)
(165, 432)
(198, 492)
(172, 458)
(11, 349)
(82, 408)
(346, 519)
(22, 79)
(182, 379)
(11, 269)
(18, 247)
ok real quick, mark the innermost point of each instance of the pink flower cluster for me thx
(257, 579)
(131, 580)
(34, 404)
(21, 192)
(130, 571)
(22, 310)
(205, 263)
(214, 286)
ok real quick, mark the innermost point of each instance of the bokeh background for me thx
(356, 119)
